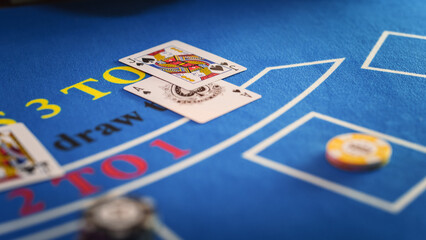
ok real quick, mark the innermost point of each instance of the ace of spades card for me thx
(201, 105)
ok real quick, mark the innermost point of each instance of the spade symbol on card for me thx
(155, 106)
(230, 66)
(216, 68)
(148, 59)
(141, 89)
(44, 166)
(244, 94)
(29, 169)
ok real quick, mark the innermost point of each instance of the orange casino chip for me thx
(357, 152)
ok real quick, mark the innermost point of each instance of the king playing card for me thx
(183, 65)
(23, 159)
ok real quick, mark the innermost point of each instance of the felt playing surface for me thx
(323, 68)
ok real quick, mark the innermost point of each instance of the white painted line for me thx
(378, 45)
(80, 204)
(163, 231)
(122, 147)
(326, 184)
(53, 213)
(160, 229)
(410, 196)
(375, 49)
(38, 218)
(277, 136)
(54, 232)
(255, 78)
(266, 70)
(406, 35)
(394, 71)
(395, 207)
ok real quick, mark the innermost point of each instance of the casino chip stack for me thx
(357, 152)
(121, 218)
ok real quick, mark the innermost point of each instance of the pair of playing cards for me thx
(188, 81)
(23, 159)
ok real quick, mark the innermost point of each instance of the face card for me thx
(200, 105)
(23, 159)
(183, 65)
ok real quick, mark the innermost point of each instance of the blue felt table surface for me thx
(216, 191)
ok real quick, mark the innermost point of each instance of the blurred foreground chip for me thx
(122, 218)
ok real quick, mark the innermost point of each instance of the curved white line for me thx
(15, 225)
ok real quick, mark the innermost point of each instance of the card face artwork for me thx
(23, 159)
(183, 65)
(200, 105)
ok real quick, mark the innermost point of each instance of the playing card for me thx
(200, 105)
(183, 65)
(23, 159)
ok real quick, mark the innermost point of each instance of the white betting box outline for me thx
(391, 207)
(48, 215)
(372, 54)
